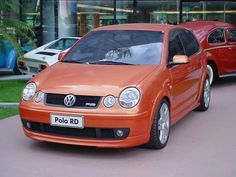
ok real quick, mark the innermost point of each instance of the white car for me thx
(38, 59)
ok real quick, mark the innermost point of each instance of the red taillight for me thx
(42, 67)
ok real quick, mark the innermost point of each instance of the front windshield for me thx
(118, 46)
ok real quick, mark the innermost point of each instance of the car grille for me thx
(93, 133)
(81, 101)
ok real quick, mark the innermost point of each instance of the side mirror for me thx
(180, 59)
(61, 56)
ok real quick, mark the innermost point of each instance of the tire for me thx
(205, 96)
(16, 70)
(213, 74)
(160, 130)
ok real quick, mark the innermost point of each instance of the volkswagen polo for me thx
(119, 86)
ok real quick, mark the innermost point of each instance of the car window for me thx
(62, 44)
(232, 35)
(175, 46)
(136, 47)
(190, 43)
(216, 37)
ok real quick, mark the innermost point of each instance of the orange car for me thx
(218, 39)
(119, 86)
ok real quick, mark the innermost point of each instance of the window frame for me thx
(228, 31)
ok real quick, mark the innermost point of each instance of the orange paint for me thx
(180, 84)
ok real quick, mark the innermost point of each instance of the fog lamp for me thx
(119, 133)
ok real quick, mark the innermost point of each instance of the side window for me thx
(216, 37)
(190, 43)
(175, 46)
(232, 35)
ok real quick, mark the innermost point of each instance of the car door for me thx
(231, 49)
(218, 50)
(192, 50)
(182, 78)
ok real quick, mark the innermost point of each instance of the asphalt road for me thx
(201, 145)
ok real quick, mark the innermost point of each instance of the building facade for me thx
(52, 19)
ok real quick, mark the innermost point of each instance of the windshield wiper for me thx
(109, 63)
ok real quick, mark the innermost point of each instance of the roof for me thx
(138, 26)
(206, 24)
(202, 28)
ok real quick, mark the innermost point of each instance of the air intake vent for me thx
(81, 101)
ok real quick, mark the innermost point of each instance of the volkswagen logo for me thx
(69, 100)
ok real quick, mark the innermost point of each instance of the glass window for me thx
(49, 21)
(189, 41)
(232, 35)
(94, 13)
(175, 45)
(118, 47)
(214, 8)
(230, 9)
(216, 37)
(164, 12)
(193, 11)
(62, 44)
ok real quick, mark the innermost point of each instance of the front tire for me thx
(16, 70)
(205, 96)
(160, 131)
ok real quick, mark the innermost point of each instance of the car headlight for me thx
(29, 91)
(129, 97)
(109, 101)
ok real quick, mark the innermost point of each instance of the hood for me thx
(40, 54)
(89, 79)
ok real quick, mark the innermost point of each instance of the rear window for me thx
(122, 46)
(62, 44)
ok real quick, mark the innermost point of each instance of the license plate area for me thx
(33, 70)
(66, 121)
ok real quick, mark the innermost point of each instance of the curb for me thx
(9, 105)
(10, 76)
(15, 78)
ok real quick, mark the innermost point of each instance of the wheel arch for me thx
(214, 64)
(204, 76)
(157, 101)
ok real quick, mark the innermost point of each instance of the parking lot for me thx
(201, 145)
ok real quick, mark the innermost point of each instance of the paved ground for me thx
(201, 145)
(9, 75)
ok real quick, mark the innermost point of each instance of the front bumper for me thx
(137, 127)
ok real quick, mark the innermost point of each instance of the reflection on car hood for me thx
(86, 79)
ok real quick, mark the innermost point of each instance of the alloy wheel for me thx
(164, 123)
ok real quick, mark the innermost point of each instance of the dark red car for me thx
(218, 39)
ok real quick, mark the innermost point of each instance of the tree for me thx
(12, 29)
